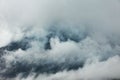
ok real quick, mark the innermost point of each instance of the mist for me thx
(59, 40)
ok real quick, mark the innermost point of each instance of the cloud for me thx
(63, 39)
(108, 69)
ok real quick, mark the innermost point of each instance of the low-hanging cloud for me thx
(54, 40)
